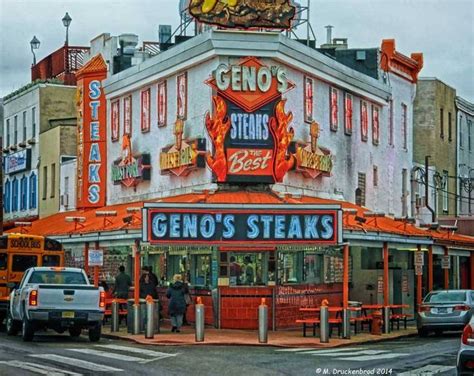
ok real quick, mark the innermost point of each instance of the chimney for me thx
(329, 34)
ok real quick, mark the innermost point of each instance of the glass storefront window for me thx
(201, 270)
(313, 268)
(248, 269)
(177, 264)
(290, 268)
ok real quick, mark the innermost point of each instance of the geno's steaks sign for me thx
(231, 224)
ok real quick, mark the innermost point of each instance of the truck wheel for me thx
(94, 333)
(27, 330)
(75, 332)
(422, 332)
(12, 325)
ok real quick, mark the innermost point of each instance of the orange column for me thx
(86, 258)
(446, 272)
(430, 268)
(345, 280)
(136, 276)
(96, 269)
(419, 286)
(386, 297)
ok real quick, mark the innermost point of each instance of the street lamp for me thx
(35, 43)
(66, 22)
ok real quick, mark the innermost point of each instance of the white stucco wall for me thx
(351, 155)
(67, 191)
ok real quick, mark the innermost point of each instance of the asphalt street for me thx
(55, 355)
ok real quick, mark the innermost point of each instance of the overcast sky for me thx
(442, 29)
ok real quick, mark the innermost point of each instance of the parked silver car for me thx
(445, 310)
(465, 362)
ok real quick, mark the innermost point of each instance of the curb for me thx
(286, 345)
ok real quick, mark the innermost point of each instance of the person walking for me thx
(177, 303)
(148, 287)
(122, 284)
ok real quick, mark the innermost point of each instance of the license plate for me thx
(68, 315)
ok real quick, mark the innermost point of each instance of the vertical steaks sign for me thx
(91, 134)
(250, 128)
(225, 224)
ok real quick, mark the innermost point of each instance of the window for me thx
(15, 134)
(3, 261)
(348, 114)
(115, 120)
(50, 260)
(469, 132)
(24, 193)
(162, 104)
(24, 126)
(360, 191)
(404, 192)
(308, 99)
(45, 181)
(33, 191)
(8, 134)
(127, 115)
(290, 267)
(441, 122)
(22, 262)
(375, 125)
(334, 110)
(390, 123)
(461, 133)
(14, 195)
(364, 121)
(445, 191)
(450, 127)
(33, 122)
(182, 96)
(145, 111)
(376, 176)
(404, 126)
(201, 270)
(248, 269)
(7, 197)
(53, 179)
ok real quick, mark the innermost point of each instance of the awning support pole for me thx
(446, 272)
(419, 286)
(430, 268)
(345, 287)
(386, 297)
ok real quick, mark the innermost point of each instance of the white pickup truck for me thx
(57, 298)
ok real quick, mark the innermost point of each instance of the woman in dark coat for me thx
(147, 287)
(177, 303)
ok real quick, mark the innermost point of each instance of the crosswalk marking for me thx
(296, 349)
(76, 363)
(126, 358)
(427, 370)
(156, 354)
(39, 368)
(366, 358)
(331, 351)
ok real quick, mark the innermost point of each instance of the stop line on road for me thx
(104, 351)
(358, 354)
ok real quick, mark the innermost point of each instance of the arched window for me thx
(14, 195)
(24, 193)
(7, 197)
(358, 196)
(33, 190)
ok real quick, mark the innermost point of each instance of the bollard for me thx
(324, 324)
(346, 323)
(199, 320)
(263, 322)
(136, 319)
(150, 318)
(386, 320)
(115, 319)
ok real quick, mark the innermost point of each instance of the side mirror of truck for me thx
(11, 285)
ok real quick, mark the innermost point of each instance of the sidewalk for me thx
(232, 337)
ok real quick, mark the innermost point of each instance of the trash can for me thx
(356, 314)
(130, 317)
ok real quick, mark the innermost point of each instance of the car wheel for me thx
(422, 332)
(95, 332)
(27, 330)
(75, 332)
(12, 325)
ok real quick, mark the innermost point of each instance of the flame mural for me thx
(283, 137)
(217, 127)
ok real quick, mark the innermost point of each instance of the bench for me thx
(397, 317)
(305, 322)
(108, 309)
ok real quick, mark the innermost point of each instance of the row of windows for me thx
(461, 133)
(20, 194)
(308, 105)
(14, 134)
